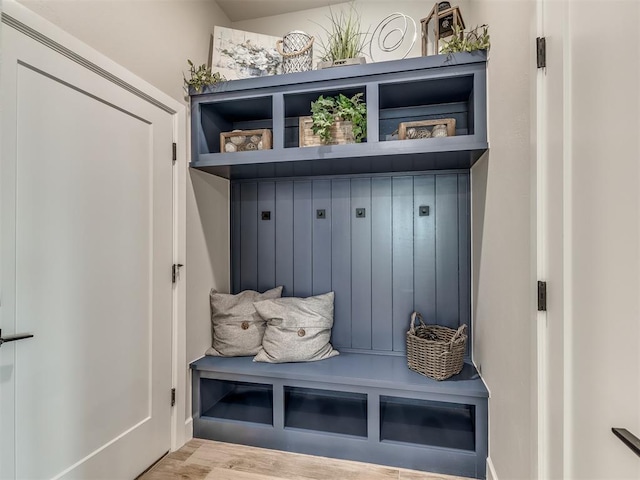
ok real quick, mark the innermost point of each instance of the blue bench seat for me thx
(355, 406)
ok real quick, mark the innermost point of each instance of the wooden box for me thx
(341, 133)
(245, 140)
(424, 128)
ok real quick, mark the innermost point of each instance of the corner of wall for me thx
(188, 429)
(491, 471)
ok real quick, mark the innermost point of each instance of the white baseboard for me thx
(491, 471)
(188, 429)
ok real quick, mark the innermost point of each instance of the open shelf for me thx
(241, 401)
(423, 422)
(325, 411)
(426, 100)
(425, 88)
(226, 116)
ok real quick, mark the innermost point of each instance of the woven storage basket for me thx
(296, 49)
(435, 351)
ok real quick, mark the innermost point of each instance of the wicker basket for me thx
(296, 49)
(435, 351)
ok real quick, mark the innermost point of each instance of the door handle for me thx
(13, 338)
(628, 438)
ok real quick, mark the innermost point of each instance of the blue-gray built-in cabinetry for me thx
(386, 225)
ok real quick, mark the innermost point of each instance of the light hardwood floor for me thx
(207, 460)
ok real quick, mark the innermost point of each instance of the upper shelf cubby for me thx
(427, 100)
(298, 105)
(226, 116)
(423, 90)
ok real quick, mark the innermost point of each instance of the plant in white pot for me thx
(339, 120)
(346, 42)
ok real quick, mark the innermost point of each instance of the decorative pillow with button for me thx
(237, 329)
(298, 329)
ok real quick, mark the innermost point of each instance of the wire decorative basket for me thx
(296, 49)
(435, 351)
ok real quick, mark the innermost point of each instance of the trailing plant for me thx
(201, 76)
(326, 110)
(345, 38)
(461, 41)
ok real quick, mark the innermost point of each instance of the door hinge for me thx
(542, 296)
(174, 151)
(175, 271)
(173, 397)
(541, 52)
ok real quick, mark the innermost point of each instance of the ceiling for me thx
(238, 10)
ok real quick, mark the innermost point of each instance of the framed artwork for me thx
(239, 54)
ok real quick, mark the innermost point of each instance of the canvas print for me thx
(239, 54)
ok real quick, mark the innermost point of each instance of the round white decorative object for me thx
(239, 140)
(411, 133)
(255, 139)
(395, 31)
(230, 147)
(423, 133)
(260, 145)
(439, 131)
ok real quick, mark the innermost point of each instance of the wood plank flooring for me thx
(208, 460)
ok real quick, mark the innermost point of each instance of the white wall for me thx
(207, 255)
(503, 247)
(372, 12)
(502, 213)
(153, 39)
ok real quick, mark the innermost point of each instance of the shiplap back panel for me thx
(381, 266)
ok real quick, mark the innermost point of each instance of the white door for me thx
(86, 252)
(590, 127)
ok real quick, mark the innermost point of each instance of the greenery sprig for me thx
(461, 41)
(201, 76)
(326, 110)
(345, 38)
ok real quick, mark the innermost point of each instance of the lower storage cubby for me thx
(325, 411)
(368, 408)
(423, 422)
(241, 401)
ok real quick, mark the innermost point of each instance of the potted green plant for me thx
(461, 41)
(339, 119)
(345, 41)
(200, 77)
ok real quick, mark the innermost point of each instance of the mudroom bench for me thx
(355, 406)
(386, 225)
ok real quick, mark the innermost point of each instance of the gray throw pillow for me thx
(237, 328)
(298, 329)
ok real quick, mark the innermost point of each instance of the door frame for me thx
(561, 22)
(14, 15)
(554, 189)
